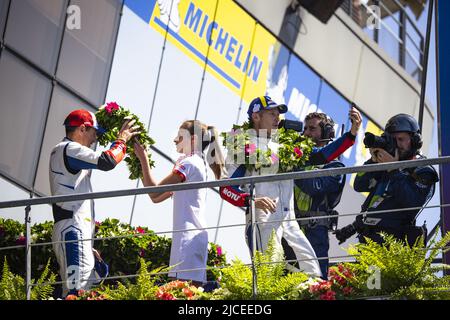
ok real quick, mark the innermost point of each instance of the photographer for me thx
(395, 189)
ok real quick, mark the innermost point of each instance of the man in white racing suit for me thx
(274, 200)
(71, 162)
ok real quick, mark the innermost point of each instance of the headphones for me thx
(416, 141)
(327, 129)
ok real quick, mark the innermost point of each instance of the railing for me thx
(397, 34)
(27, 203)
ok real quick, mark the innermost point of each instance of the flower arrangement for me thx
(338, 285)
(178, 290)
(86, 295)
(111, 117)
(216, 258)
(293, 151)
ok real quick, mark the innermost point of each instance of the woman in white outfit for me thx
(189, 248)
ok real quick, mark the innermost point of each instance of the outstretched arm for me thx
(339, 146)
(148, 179)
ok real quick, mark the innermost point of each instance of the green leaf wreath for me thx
(111, 117)
(294, 149)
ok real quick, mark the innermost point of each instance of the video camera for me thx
(385, 142)
(291, 124)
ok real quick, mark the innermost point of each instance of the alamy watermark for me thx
(374, 19)
(73, 21)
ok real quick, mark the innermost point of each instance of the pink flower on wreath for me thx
(274, 158)
(111, 106)
(140, 230)
(250, 148)
(219, 251)
(298, 152)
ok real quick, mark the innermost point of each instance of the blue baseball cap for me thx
(264, 103)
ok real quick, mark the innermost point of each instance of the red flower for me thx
(111, 106)
(140, 230)
(141, 252)
(314, 288)
(188, 292)
(219, 251)
(325, 285)
(329, 295)
(164, 295)
(71, 297)
(298, 152)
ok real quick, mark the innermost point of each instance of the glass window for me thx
(61, 105)
(25, 95)
(3, 13)
(389, 39)
(86, 52)
(34, 29)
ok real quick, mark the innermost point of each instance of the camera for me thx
(385, 142)
(291, 124)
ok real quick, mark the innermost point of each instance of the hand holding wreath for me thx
(112, 117)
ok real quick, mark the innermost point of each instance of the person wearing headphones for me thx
(395, 189)
(318, 196)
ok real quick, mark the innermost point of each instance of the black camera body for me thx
(385, 142)
(291, 124)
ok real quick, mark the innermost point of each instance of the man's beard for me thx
(406, 154)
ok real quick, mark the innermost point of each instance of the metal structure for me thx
(196, 185)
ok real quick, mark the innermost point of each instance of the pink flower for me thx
(274, 158)
(250, 148)
(111, 106)
(140, 230)
(219, 251)
(298, 152)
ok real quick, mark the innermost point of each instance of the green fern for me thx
(44, 291)
(406, 272)
(12, 287)
(272, 283)
(144, 288)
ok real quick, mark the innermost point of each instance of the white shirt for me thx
(189, 248)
